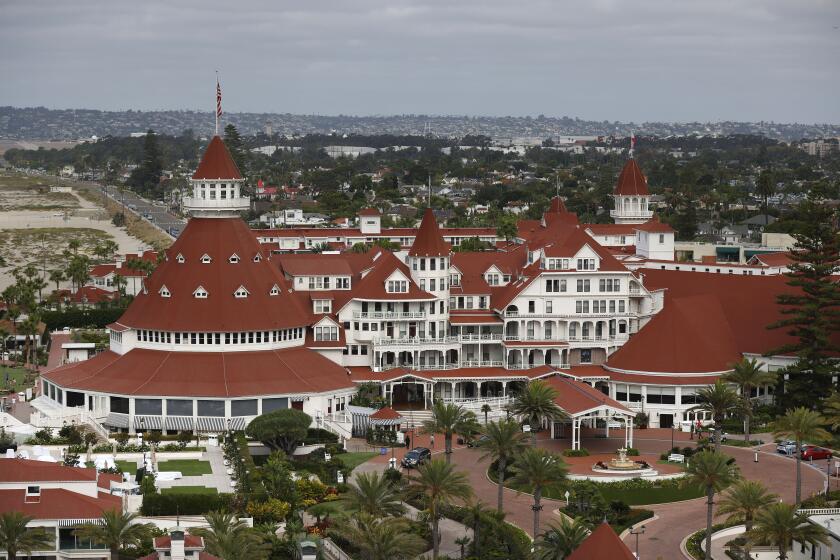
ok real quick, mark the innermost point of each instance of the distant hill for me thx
(39, 123)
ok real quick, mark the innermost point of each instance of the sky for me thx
(626, 60)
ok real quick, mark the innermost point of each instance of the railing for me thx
(415, 341)
(482, 363)
(191, 202)
(388, 315)
(480, 337)
(334, 423)
(69, 415)
(635, 290)
(819, 511)
(332, 551)
(632, 213)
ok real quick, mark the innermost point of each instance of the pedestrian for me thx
(407, 442)
(692, 430)
(432, 441)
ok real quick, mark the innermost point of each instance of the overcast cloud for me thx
(664, 60)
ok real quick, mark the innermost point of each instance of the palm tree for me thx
(473, 515)
(58, 277)
(538, 470)
(711, 472)
(462, 542)
(780, 524)
(719, 400)
(116, 530)
(15, 537)
(440, 484)
(536, 404)
(447, 418)
(231, 539)
(748, 375)
(373, 494)
(485, 408)
(504, 441)
(800, 425)
(561, 539)
(743, 501)
(382, 539)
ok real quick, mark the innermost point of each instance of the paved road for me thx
(157, 214)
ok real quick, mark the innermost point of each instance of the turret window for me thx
(164, 291)
(234, 258)
(257, 258)
(180, 258)
(205, 259)
(200, 293)
(275, 291)
(241, 292)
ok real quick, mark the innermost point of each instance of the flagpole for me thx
(217, 102)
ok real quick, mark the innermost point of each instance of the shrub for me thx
(81, 318)
(318, 435)
(280, 429)
(269, 511)
(582, 452)
(121, 438)
(632, 452)
(310, 489)
(184, 504)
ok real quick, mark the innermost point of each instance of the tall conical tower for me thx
(429, 259)
(631, 196)
(216, 185)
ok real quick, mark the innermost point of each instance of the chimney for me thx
(177, 544)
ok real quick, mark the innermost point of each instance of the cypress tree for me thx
(237, 149)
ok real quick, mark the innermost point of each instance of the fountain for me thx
(623, 465)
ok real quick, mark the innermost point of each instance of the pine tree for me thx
(811, 311)
(146, 177)
(233, 141)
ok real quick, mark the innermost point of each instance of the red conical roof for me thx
(602, 543)
(632, 181)
(557, 205)
(217, 163)
(429, 242)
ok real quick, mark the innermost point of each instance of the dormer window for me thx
(322, 306)
(200, 293)
(180, 258)
(233, 259)
(205, 259)
(241, 292)
(164, 291)
(257, 258)
(586, 264)
(397, 286)
(275, 291)
(33, 494)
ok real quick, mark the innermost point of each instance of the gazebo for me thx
(387, 417)
(585, 404)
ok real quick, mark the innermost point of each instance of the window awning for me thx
(211, 424)
(181, 423)
(117, 420)
(148, 422)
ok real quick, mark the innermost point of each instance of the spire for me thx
(217, 163)
(557, 206)
(429, 242)
(631, 181)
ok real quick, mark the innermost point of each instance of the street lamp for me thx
(637, 532)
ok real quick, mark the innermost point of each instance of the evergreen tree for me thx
(812, 309)
(146, 176)
(237, 150)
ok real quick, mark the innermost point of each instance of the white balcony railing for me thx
(631, 213)
(389, 315)
(415, 341)
(232, 203)
(480, 337)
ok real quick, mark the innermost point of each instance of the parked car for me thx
(813, 453)
(787, 447)
(416, 457)
(476, 442)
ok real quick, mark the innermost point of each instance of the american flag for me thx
(218, 99)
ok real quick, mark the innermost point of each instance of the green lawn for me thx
(187, 467)
(129, 467)
(189, 490)
(643, 496)
(356, 458)
(17, 378)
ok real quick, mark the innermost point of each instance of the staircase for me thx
(415, 418)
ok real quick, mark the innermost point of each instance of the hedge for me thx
(80, 318)
(184, 504)
(319, 435)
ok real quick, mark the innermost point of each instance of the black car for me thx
(477, 442)
(416, 457)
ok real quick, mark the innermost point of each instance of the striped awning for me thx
(181, 423)
(148, 422)
(237, 423)
(298, 398)
(117, 420)
(76, 522)
(386, 421)
(211, 424)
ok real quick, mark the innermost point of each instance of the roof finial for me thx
(218, 102)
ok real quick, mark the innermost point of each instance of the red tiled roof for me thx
(577, 396)
(204, 374)
(655, 226)
(309, 264)
(631, 181)
(369, 212)
(190, 541)
(557, 205)
(611, 229)
(217, 162)
(25, 470)
(386, 413)
(690, 335)
(428, 242)
(58, 503)
(219, 238)
(782, 258)
(624, 377)
(602, 543)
